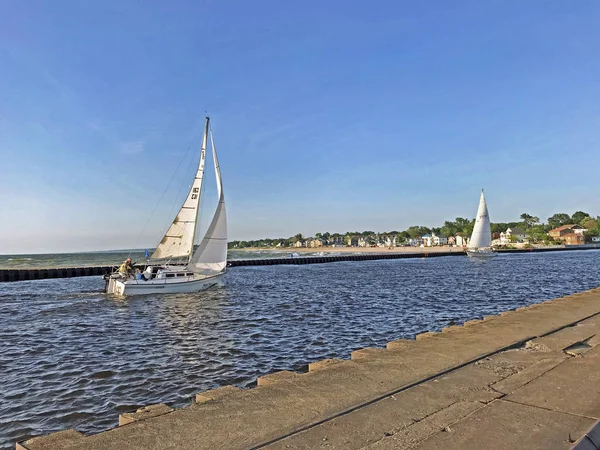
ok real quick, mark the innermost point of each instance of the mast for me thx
(211, 255)
(202, 157)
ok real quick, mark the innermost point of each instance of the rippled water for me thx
(73, 357)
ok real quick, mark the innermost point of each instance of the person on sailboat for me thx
(127, 268)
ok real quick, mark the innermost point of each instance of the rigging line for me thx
(163, 193)
(174, 204)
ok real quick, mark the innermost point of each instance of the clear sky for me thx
(328, 115)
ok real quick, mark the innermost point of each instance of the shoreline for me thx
(436, 249)
(351, 249)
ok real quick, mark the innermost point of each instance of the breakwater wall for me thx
(7, 275)
(59, 272)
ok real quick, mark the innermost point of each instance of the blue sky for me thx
(328, 116)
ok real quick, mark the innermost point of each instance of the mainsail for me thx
(178, 241)
(482, 234)
(211, 255)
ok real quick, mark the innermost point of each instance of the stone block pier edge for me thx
(527, 379)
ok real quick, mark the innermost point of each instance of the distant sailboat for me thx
(177, 265)
(481, 238)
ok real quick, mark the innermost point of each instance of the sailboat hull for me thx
(481, 253)
(161, 286)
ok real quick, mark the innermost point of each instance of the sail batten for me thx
(482, 234)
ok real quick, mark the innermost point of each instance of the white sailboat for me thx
(175, 265)
(481, 238)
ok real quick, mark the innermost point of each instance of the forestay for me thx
(482, 235)
(211, 255)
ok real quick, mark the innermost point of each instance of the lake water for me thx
(71, 356)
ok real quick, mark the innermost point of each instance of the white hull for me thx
(481, 253)
(162, 286)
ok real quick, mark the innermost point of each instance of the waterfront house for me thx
(414, 242)
(557, 233)
(513, 235)
(352, 241)
(317, 243)
(390, 241)
(298, 244)
(336, 239)
(461, 241)
(573, 238)
(366, 241)
(518, 233)
(430, 240)
(440, 239)
(451, 240)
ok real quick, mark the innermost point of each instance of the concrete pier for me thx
(526, 379)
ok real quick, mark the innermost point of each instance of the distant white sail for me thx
(178, 241)
(211, 254)
(482, 233)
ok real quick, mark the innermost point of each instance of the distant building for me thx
(336, 240)
(573, 239)
(430, 240)
(564, 233)
(317, 243)
(352, 241)
(440, 239)
(513, 234)
(366, 241)
(519, 233)
(298, 244)
(461, 241)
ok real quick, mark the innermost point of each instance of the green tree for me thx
(558, 220)
(537, 233)
(529, 221)
(592, 226)
(298, 237)
(414, 231)
(461, 223)
(579, 217)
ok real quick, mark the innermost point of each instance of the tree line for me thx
(537, 230)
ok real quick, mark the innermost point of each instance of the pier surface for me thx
(527, 379)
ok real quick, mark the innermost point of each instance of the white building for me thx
(461, 241)
(517, 233)
(440, 240)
